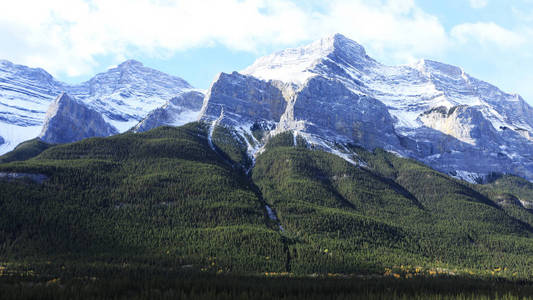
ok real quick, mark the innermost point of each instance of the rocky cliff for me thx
(69, 120)
(335, 94)
(177, 111)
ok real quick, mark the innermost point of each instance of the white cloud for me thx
(487, 34)
(68, 35)
(478, 3)
(394, 28)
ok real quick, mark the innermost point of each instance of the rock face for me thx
(244, 100)
(177, 111)
(465, 123)
(322, 110)
(124, 95)
(327, 109)
(332, 92)
(69, 120)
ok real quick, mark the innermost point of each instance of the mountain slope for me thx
(68, 120)
(489, 125)
(25, 150)
(124, 95)
(177, 111)
(381, 215)
(25, 94)
(161, 196)
(165, 197)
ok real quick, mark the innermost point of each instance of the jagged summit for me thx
(130, 63)
(126, 94)
(431, 111)
(34, 74)
(298, 64)
(123, 95)
(329, 92)
(68, 120)
(429, 67)
(346, 47)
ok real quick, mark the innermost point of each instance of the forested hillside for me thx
(164, 202)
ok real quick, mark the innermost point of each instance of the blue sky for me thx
(196, 39)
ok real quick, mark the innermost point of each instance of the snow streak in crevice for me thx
(212, 129)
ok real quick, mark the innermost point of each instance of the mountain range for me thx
(330, 93)
(123, 95)
(313, 163)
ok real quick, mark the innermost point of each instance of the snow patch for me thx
(39, 178)
(471, 177)
(272, 216)
(14, 135)
(212, 129)
(187, 116)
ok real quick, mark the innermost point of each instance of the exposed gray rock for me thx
(124, 95)
(329, 110)
(39, 178)
(1, 140)
(442, 116)
(244, 99)
(68, 120)
(465, 123)
(322, 109)
(177, 111)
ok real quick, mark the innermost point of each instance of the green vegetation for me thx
(396, 212)
(233, 146)
(155, 284)
(162, 196)
(25, 150)
(160, 208)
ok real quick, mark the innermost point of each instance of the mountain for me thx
(312, 183)
(25, 94)
(68, 120)
(124, 95)
(127, 93)
(177, 200)
(332, 94)
(177, 111)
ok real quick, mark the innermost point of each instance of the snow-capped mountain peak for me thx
(124, 95)
(440, 114)
(297, 64)
(130, 63)
(429, 67)
(25, 94)
(127, 93)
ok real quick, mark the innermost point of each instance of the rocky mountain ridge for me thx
(69, 120)
(430, 111)
(329, 93)
(124, 95)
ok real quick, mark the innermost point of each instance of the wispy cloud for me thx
(487, 34)
(67, 35)
(478, 3)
